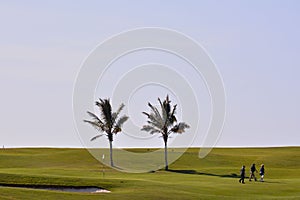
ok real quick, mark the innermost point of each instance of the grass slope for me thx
(213, 177)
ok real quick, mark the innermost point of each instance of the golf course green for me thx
(213, 177)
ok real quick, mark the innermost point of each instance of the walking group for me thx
(253, 170)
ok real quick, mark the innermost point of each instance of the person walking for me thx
(242, 173)
(262, 172)
(252, 172)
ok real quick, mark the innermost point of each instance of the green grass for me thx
(190, 177)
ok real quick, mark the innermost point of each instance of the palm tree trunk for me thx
(166, 157)
(111, 153)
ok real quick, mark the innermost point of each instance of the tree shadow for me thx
(116, 167)
(184, 171)
(232, 175)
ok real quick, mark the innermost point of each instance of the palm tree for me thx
(164, 122)
(108, 124)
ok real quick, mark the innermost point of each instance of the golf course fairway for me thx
(213, 177)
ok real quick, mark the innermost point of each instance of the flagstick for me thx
(103, 156)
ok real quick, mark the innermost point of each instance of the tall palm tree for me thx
(164, 122)
(108, 124)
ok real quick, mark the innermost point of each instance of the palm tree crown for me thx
(108, 123)
(164, 122)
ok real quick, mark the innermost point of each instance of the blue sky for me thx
(255, 45)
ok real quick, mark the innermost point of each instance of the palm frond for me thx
(154, 131)
(95, 117)
(156, 113)
(150, 129)
(154, 120)
(167, 105)
(172, 117)
(156, 124)
(146, 114)
(180, 128)
(174, 110)
(163, 111)
(116, 114)
(97, 136)
(96, 125)
(105, 109)
(118, 126)
(121, 121)
(120, 108)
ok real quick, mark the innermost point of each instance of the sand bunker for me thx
(87, 189)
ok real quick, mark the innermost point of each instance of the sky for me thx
(254, 44)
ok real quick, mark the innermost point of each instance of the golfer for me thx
(262, 172)
(242, 174)
(252, 171)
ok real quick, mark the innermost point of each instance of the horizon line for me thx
(177, 147)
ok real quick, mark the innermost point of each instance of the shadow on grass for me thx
(184, 171)
(116, 167)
